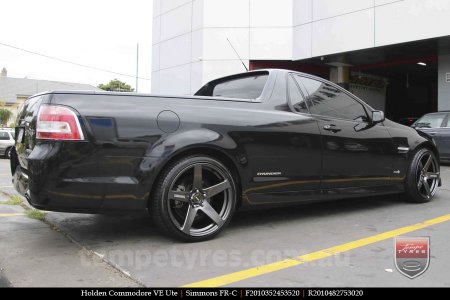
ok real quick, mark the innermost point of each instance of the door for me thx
(284, 153)
(437, 126)
(444, 140)
(355, 152)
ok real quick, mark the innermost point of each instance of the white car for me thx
(6, 141)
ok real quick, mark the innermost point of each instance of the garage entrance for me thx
(400, 79)
(411, 87)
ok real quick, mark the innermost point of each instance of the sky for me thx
(99, 33)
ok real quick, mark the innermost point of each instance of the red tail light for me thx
(58, 123)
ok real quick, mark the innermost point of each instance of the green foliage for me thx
(5, 114)
(116, 85)
(35, 214)
(13, 200)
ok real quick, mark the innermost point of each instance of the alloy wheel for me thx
(200, 199)
(427, 175)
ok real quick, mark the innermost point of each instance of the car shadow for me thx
(94, 229)
(312, 210)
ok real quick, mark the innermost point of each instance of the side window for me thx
(327, 100)
(4, 136)
(296, 98)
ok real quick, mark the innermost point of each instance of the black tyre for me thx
(423, 176)
(194, 198)
(8, 153)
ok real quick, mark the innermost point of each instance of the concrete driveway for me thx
(343, 243)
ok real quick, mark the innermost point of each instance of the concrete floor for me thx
(255, 238)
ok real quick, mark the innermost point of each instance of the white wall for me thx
(324, 27)
(190, 46)
(174, 44)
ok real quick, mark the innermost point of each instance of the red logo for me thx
(412, 255)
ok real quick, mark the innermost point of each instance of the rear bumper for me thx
(21, 183)
(72, 177)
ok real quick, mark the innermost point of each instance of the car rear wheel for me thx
(423, 176)
(194, 199)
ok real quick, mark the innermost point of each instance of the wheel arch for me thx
(425, 144)
(213, 152)
(7, 149)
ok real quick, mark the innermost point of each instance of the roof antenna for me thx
(246, 69)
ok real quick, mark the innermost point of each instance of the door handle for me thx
(432, 133)
(332, 127)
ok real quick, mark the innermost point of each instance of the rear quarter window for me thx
(246, 87)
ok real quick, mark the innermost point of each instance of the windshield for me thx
(430, 121)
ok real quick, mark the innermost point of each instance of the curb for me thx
(72, 239)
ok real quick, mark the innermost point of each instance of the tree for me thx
(116, 85)
(5, 115)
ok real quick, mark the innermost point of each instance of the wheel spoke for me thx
(427, 188)
(216, 189)
(427, 164)
(190, 216)
(212, 214)
(432, 175)
(197, 184)
(179, 196)
(420, 184)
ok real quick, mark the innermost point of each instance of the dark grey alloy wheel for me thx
(423, 178)
(196, 199)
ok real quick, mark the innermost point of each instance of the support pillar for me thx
(341, 76)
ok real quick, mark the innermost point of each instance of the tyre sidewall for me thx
(411, 190)
(167, 179)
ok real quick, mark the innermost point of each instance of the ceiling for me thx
(392, 60)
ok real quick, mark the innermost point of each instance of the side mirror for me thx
(377, 116)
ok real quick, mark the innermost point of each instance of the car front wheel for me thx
(423, 176)
(8, 153)
(194, 199)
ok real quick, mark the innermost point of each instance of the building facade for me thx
(393, 53)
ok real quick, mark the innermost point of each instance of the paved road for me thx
(4, 282)
(34, 254)
(259, 238)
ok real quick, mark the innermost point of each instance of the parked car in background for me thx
(408, 121)
(437, 125)
(6, 141)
